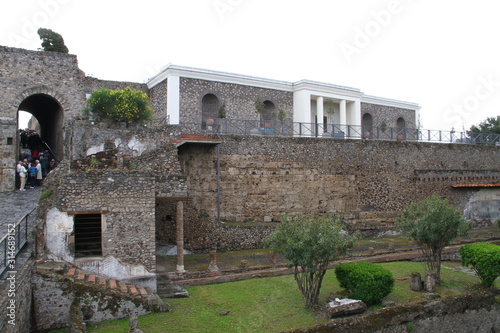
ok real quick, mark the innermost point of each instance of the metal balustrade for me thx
(226, 126)
(13, 242)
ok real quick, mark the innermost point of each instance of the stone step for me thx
(166, 288)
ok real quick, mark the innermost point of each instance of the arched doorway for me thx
(401, 128)
(367, 126)
(209, 108)
(269, 113)
(49, 114)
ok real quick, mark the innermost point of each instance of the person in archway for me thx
(32, 171)
(21, 170)
(38, 173)
(44, 161)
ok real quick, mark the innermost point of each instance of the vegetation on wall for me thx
(126, 105)
(52, 41)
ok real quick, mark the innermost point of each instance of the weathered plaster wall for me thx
(484, 205)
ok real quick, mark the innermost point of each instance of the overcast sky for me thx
(443, 55)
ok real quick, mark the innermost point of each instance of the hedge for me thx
(484, 259)
(365, 281)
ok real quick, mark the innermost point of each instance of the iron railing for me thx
(227, 126)
(13, 242)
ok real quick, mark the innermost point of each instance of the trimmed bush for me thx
(365, 281)
(484, 259)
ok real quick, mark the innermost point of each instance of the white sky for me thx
(443, 55)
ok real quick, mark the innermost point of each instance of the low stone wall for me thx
(56, 297)
(460, 314)
(15, 300)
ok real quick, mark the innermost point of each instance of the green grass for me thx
(274, 304)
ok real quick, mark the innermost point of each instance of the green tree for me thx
(125, 105)
(222, 110)
(490, 125)
(281, 114)
(52, 41)
(310, 243)
(259, 105)
(432, 223)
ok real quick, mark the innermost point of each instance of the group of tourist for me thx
(35, 163)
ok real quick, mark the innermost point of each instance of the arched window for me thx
(367, 124)
(209, 108)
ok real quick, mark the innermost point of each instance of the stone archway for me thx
(48, 108)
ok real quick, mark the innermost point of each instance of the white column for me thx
(173, 99)
(319, 114)
(343, 113)
(302, 106)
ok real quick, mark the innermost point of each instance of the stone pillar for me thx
(212, 267)
(319, 114)
(180, 237)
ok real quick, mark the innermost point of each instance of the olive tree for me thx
(310, 244)
(432, 223)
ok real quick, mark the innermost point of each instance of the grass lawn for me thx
(274, 304)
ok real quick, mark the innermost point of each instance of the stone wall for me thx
(158, 101)
(264, 177)
(126, 202)
(56, 297)
(54, 75)
(16, 300)
(476, 312)
(239, 99)
(389, 114)
(9, 141)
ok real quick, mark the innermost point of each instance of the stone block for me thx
(345, 307)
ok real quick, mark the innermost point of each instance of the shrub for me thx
(45, 194)
(126, 105)
(365, 281)
(484, 259)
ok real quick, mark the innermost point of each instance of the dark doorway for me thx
(49, 114)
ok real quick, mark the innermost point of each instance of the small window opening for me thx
(10, 141)
(88, 235)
